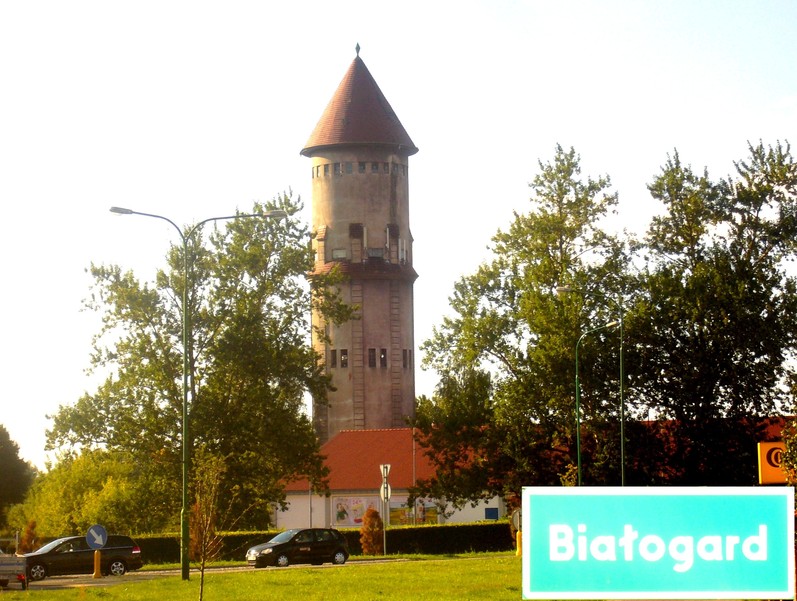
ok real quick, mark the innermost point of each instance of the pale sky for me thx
(196, 109)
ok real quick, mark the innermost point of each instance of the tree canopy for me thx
(705, 302)
(250, 364)
(17, 474)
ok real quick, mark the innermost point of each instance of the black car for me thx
(300, 545)
(72, 555)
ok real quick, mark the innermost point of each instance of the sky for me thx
(196, 109)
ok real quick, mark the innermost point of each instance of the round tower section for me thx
(360, 212)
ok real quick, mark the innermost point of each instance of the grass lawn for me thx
(478, 576)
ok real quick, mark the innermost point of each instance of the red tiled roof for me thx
(359, 114)
(354, 457)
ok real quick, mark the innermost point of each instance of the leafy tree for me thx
(250, 362)
(208, 517)
(17, 473)
(96, 486)
(503, 414)
(714, 326)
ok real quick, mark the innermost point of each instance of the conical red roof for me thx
(359, 114)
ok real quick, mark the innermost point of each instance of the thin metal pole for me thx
(622, 401)
(611, 324)
(578, 416)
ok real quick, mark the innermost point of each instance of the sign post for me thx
(96, 537)
(658, 543)
(384, 493)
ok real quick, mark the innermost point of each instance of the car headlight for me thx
(266, 551)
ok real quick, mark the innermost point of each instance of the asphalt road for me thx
(87, 580)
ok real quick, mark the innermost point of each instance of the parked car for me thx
(300, 545)
(72, 555)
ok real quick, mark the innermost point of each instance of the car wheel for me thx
(339, 558)
(37, 572)
(282, 561)
(117, 568)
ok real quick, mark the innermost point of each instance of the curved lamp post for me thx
(611, 324)
(186, 320)
(621, 317)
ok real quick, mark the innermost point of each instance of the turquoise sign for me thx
(658, 543)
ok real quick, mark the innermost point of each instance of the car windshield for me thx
(51, 545)
(283, 537)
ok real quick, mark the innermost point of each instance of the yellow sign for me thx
(770, 463)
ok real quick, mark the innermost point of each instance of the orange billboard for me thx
(770, 463)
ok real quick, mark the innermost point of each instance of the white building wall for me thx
(345, 510)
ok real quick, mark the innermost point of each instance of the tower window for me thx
(333, 358)
(337, 168)
(361, 167)
(326, 169)
(374, 167)
(348, 167)
(344, 358)
(371, 357)
(383, 357)
(386, 167)
(405, 360)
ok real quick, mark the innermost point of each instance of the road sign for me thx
(384, 469)
(658, 543)
(384, 492)
(96, 537)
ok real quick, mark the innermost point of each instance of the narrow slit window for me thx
(344, 358)
(333, 358)
(371, 357)
(383, 357)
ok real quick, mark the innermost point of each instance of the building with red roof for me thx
(354, 458)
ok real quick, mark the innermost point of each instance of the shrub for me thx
(371, 533)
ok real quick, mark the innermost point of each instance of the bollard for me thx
(97, 565)
(519, 538)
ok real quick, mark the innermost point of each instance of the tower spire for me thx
(357, 48)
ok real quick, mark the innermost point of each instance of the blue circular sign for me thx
(96, 537)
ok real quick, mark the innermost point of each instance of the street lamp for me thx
(611, 324)
(565, 289)
(186, 322)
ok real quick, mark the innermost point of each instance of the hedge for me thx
(431, 540)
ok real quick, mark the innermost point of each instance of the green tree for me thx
(17, 476)
(96, 486)
(250, 362)
(503, 414)
(714, 325)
